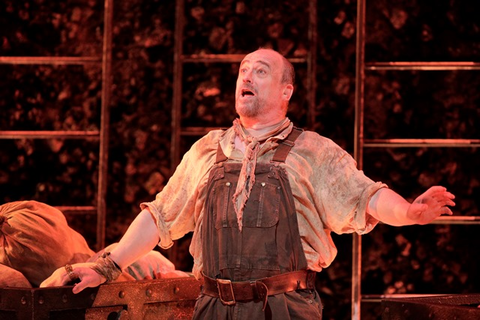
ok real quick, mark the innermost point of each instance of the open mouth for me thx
(246, 92)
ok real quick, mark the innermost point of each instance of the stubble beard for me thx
(250, 109)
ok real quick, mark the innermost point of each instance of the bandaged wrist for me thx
(106, 267)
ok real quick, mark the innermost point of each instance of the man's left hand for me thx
(430, 205)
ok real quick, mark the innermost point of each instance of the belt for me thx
(229, 292)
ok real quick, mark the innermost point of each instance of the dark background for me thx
(398, 104)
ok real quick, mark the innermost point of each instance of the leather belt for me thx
(229, 292)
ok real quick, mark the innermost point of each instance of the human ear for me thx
(287, 92)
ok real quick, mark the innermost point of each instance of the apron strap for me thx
(221, 157)
(286, 145)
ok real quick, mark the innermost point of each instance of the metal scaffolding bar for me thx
(105, 123)
(14, 134)
(225, 58)
(361, 142)
(423, 65)
(312, 64)
(462, 220)
(95, 135)
(177, 85)
(49, 60)
(408, 143)
(358, 152)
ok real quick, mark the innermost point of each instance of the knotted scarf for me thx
(246, 179)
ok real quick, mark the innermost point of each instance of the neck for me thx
(258, 129)
(256, 124)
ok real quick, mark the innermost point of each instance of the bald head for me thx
(264, 87)
(288, 75)
(288, 71)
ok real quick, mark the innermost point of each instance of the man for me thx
(262, 199)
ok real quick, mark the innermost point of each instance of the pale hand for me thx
(430, 205)
(83, 271)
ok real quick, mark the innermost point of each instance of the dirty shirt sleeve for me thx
(178, 208)
(338, 191)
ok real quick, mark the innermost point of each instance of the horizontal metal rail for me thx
(423, 65)
(225, 58)
(50, 60)
(379, 297)
(198, 131)
(13, 134)
(460, 220)
(397, 143)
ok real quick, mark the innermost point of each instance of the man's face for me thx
(259, 87)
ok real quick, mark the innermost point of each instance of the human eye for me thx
(261, 72)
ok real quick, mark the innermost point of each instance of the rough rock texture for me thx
(404, 104)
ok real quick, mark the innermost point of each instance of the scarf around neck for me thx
(246, 178)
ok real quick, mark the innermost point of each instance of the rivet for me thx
(176, 290)
(41, 300)
(227, 184)
(121, 294)
(23, 300)
(263, 184)
(64, 298)
(148, 292)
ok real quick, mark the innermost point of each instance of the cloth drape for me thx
(246, 180)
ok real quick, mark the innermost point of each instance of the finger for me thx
(438, 199)
(69, 275)
(443, 195)
(445, 202)
(85, 282)
(46, 283)
(450, 195)
(82, 284)
(449, 203)
(88, 278)
(55, 280)
(447, 211)
(78, 287)
(434, 189)
(442, 211)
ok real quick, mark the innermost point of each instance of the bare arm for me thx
(389, 207)
(140, 238)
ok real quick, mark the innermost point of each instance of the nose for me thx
(247, 77)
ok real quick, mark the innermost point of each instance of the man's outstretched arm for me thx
(140, 238)
(391, 208)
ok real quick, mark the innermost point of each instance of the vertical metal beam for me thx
(104, 122)
(177, 99)
(312, 64)
(358, 151)
(177, 85)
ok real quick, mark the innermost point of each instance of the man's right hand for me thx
(83, 271)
